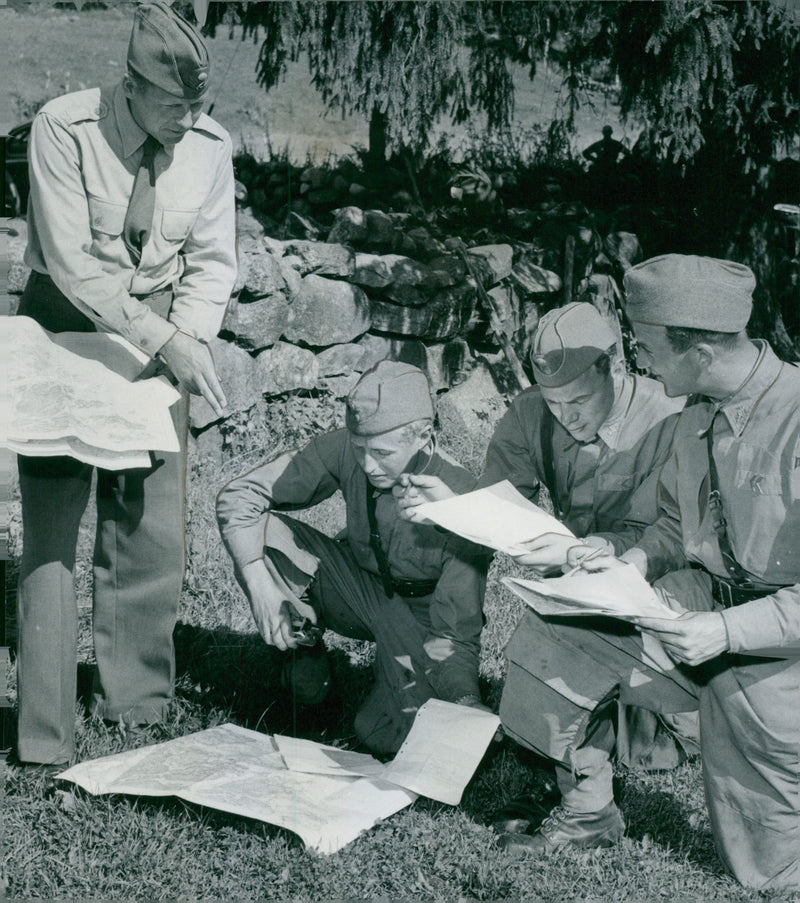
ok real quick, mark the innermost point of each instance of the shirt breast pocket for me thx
(759, 482)
(176, 224)
(617, 482)
(106, 217)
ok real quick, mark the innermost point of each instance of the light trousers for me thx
(566, 676)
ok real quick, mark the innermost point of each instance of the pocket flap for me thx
(106, 216)
(175, 224)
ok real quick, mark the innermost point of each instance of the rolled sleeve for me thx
(292, 481)
(770, 623)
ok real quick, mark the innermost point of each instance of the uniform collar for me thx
(131, 133)
(739, 406)
(611, 428)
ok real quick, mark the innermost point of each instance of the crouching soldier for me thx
(416, 591)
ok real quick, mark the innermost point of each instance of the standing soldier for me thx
(131, 231)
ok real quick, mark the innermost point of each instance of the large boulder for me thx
(327, 312)
(372, 270)
(406, 295)
(321, 258)
(264, 276)
(340, 360)
(377, 348)
(286, 368)
(349, 226)
(446, 271)
(380, 228)
(241, 381)
(448, 313)
(291, 277)
(499, 259)
(530, 279)
(258, 324)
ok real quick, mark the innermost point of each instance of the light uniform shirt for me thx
(756, 447)
(604, 486)
(302, 478)
(84, 153)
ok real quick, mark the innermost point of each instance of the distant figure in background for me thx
(414, 590)
(604, 157)
(131, 231)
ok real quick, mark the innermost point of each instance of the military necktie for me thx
(141, 207)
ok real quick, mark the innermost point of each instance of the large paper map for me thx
(75, 394)
(327, 796)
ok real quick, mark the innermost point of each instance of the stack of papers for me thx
(327, 796)
(621, 592)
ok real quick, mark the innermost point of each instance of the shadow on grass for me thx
(662, 818)
(239, 673)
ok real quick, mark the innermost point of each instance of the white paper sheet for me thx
(620, 593)
(443, 750)
(72, 394)
(315, 758)
(242, 771)
(327, 796)
(498, 516)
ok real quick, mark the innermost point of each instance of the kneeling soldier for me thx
(415, 591)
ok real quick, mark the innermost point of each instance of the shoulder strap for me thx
(546, 438)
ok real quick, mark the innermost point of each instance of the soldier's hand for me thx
(548, 552)
(412, 490)
(272, 606)
(192, 365)
(593, 557)
(693, 638)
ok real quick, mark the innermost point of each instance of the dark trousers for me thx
(352, 602)
(139, 561)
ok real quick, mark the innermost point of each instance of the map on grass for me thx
(328, 796)
(74, 393)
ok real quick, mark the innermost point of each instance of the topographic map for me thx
(75, 394)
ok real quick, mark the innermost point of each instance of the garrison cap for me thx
(168, 51)
(567, 342)
(689, 291)
(388, 395)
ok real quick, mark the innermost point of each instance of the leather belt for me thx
(729, 595)
(413, 589)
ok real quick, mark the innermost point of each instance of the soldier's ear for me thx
(425, 434)
(705, 354)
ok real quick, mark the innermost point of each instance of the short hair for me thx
(682, 338)
(140, 83)
(410, 431)
(604, 362)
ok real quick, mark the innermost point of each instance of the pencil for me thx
(579, 565)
